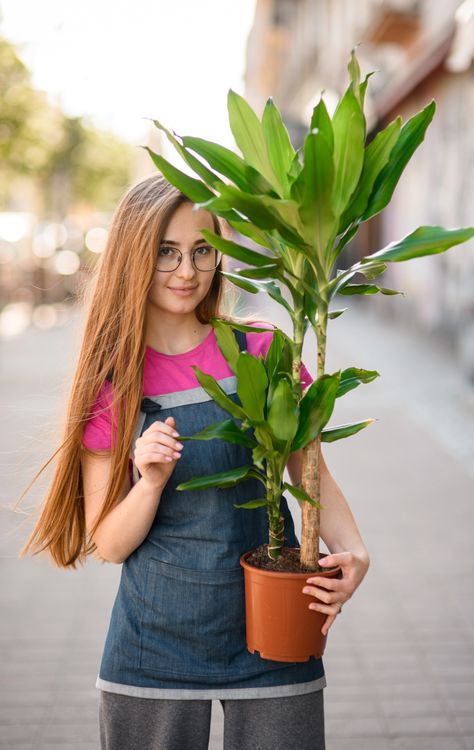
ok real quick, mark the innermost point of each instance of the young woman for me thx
(176, 638)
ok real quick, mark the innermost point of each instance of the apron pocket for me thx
(193, 623)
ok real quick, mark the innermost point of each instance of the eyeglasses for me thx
(204, 258)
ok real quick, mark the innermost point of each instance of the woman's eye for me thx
(163, 249)
(204, 250)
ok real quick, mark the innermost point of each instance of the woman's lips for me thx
(183, 292)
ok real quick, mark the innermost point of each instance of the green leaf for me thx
(273, 270)
(425, 240)
(321, 121)
(248, 134)
(274, 352)
(258, 454)
(354, 376)
(353, 69)
(296, 166)
(376, 157)
(267, 213)
(227, 343)
(316, 407)
(335, 313)
(269, 287)
(349, 136)
(374, 269)
(239, 252)
(250, 230)
(252, 383)
(192, 188)
(244, 327)
(264, 436)
(301, 495)
(226, 430)
(248, 286)
(341, 279)
(199, 168)
(227, 478)
(213, 389)
(346, 237)
(411, 135)
(344, 430)
(228, 163)
(318, 178)
(279, 146)
(363, 88)
(350, 289)
(283, 412)
(252, 504)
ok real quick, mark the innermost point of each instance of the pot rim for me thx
(289, 573)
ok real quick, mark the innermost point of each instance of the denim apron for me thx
(178, 619)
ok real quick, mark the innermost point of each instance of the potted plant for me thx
(302, 207)
(273, 419)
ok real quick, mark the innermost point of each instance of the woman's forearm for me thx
(127, 525)
(338, 527)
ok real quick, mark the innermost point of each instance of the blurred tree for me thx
(89, 166)
(69, 160)
(29, 128)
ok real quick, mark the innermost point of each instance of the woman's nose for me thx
(186, 267)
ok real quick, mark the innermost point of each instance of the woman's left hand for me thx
(334, 592)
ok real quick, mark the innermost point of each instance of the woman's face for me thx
(183, 233)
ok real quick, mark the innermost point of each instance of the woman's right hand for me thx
(157, 451)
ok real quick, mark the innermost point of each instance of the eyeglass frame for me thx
(201, 270)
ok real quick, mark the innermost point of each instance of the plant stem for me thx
(310, 475)
(276, 524)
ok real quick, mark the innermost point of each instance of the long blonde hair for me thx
(113, 344)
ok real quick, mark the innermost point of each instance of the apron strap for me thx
(241, 339)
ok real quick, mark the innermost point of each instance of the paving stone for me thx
(358, 743)
(419, 725)
(427, 743)
(402, 707)
(465, 723)
(357, 726)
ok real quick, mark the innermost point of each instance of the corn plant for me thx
(301, 208)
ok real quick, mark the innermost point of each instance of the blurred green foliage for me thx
(40, 142)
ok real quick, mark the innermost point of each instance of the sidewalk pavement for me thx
(400, 658)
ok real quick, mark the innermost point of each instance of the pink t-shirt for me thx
(168, 373)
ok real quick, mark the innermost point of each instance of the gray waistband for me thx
(274, 691)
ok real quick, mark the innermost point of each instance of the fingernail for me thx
(306, 590)
(175, 434)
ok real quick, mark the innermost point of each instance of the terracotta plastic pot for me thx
(280, 626)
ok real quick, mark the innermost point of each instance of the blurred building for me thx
(421, 49)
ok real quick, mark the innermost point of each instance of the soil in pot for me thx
(288, 562)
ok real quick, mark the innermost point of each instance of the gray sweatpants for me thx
(295, 722)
